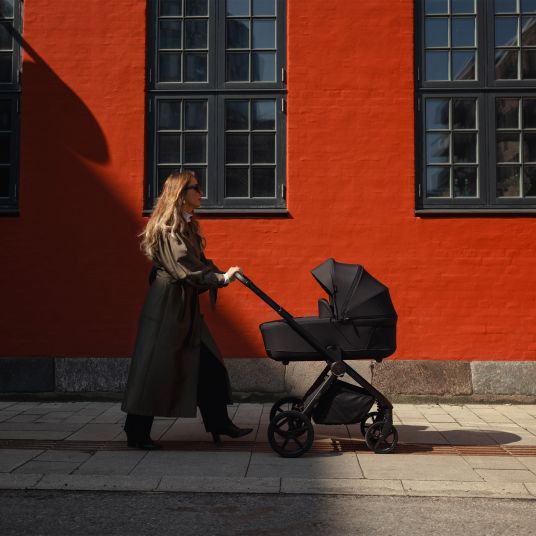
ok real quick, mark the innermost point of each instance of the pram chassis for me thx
(380, 435)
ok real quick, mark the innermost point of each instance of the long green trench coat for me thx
(164, 369)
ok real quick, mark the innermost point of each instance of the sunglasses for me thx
(196, 187)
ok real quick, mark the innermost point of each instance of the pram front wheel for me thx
(377, 441)
(288, 403)
(368, 421)
(290, 434)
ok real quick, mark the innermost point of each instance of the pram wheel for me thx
(288, 403)
(368, 421)
(379, 443)
(290, 434)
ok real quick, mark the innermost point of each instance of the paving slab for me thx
(99, 482)
(494, 462)
(219, 485)
(15, 481)
(10, 459)
(506, 475)
(414, 467)
(38, 427)
(23, 417)
(194, 431)
(111, 463)
(332, 465)
(96, 432)
(53, 455)
(33, 434)
(529, 463)
(221, 464)
(341, 486)
(248, 414)
(531, 488)
(501, 490)
(38, 467)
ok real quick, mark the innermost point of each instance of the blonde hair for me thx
(167, 216)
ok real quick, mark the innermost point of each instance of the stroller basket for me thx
(343, 403)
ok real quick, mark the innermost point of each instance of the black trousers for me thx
(211, 398)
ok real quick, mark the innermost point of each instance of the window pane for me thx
(508, 181)
(463, 6)
(6, 41)
(463, 147)
(436, 6)
(5, 115)
(463, 113)
(437, 65)
(6, 9)
(263, 182)
(528, 31)
(505, 6)
(169, 115)
(5, 67)
(463, 31)
(506, 31)
(170, 34)
(437, 114)
(195, 34)
(236, 115)
(4, 182)
(195, 8)
(463, 65)
(263, 66)
(169, 67)
(195, 113)
(263, 148)
(5, 148)
(236, 182)
(529, 113)
(163, 173)
(263, 8)
(528, 6)
(437, 148)
(263, 34)
(506, 64)
(237, 33)
(263, 115)
(436, 32)
(464, 179)
(438, 182)
(507, 147)
(528, 67)
(236, 149)
(169, 148)
(195, 148)
(507, 113)
(529, 147)
(238, 8)
(170, 8)
(196, 66)
(529, 181)
(238, 66)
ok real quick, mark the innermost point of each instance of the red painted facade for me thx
(73, 279)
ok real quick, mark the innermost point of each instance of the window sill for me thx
(476, 211)
(243, 212)
(9, 211)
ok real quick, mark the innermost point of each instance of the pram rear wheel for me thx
(288, 403)
(377, 441)
(368, 421)
(290, 434)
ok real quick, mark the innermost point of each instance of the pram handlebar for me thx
(328, 353)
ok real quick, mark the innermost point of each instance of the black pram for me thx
(358, 322)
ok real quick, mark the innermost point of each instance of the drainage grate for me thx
(318, 447)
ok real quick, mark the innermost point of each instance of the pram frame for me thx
(335, 365)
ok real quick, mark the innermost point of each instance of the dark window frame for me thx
(216, 90)
(10, 91)
(485, 89)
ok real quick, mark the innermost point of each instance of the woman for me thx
(176, 364)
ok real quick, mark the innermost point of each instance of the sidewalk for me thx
(444, 450)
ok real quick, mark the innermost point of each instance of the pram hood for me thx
(353, 292)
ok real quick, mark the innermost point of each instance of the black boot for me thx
(230, 430)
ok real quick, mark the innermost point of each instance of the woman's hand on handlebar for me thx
(230, 274)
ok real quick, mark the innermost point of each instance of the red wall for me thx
(73, 279)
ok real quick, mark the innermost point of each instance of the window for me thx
(10, 27)
(476, 105)
(216, 100)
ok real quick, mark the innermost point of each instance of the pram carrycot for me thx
(358, 322)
